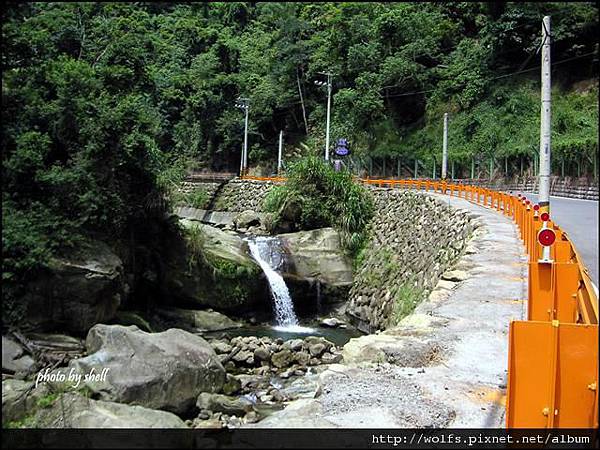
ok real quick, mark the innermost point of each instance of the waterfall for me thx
(269, 260)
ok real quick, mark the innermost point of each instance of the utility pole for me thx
(445, 148)
(545, 129)
(328, 84)
(244, 103)
(279, 157)
(433, 169)
(416, 167)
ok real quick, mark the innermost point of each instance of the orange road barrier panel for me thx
(552, 290)
(553, 381)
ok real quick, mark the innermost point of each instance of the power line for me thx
(497, 77)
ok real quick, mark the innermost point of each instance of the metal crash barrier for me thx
(553, 355)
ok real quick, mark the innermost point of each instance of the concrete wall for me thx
(414, 239)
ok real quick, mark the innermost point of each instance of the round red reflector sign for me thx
(546, 237)
(545, 217)
(527, 202)
(536, 207)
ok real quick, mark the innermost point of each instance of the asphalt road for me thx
(579, 218)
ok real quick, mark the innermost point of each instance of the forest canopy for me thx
(103, 101)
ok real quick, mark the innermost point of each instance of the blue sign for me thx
(342, 147)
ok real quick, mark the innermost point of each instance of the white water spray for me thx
(285, 316)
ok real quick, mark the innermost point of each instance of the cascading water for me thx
(269, 258)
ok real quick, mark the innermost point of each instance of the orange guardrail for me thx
(553, 355)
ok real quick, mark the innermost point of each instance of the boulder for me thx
(80, 288)
(332, 322)
(223, 404)
(196, 320)
(455, 275)
(282, 358)
(72, 410)
(165, 370)
(211, 268)
(246, 219)
(20, 399)
(232, 385)
(14, 359)
(317, 255)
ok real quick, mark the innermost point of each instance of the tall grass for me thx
(316, 196)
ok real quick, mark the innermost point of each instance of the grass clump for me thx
(316, 196)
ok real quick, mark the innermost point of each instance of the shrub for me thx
(317, 196)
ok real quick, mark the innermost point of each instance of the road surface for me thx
(579, 218)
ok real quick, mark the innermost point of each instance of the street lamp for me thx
(244, 103)
(328, 84)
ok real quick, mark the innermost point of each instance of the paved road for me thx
(579, 218)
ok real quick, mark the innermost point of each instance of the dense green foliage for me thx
(103, 101)
(317, 196)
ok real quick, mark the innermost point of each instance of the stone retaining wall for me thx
(414, 239)
(189, 186)
(238, 195)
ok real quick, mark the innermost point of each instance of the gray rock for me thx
(302, 358)
(331, 322)
(329, 358)
(221, 347)
(13, 358)
(262, 354)
(225, 277)
(282, 358)
(75, 411)
(316, 350)
(80, 289)
(318, 255)
(232, 385)
(246, 219)
(20, 398)
(165, 370)
(455, 275)
(223, 404)
(294, 344)
(196, 320)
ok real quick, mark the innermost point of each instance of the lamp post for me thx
(328, 84)
(244, 103)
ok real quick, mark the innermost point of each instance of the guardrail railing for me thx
(553, 355)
